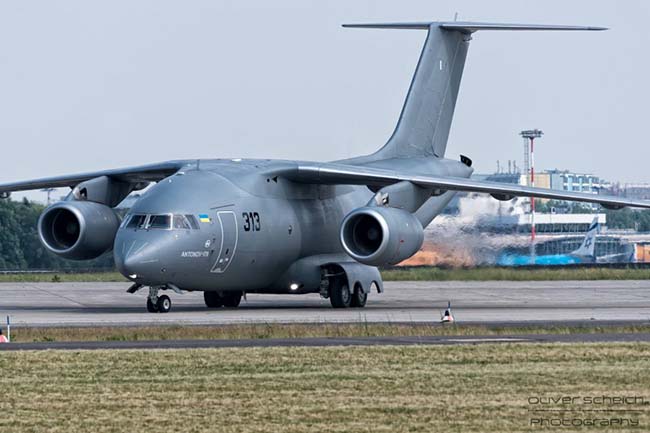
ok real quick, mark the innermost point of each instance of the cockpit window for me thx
(137, 222)
(180, 222)
(160, 222)
(193, 222)
(125, 221)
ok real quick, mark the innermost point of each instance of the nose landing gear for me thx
(158, 303)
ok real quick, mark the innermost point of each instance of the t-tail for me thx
(588, 247)
(425, 120)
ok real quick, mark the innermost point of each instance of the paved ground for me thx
(78, 304)
(325, 342)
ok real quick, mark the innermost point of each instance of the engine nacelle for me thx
(78, 230)
(380, 236)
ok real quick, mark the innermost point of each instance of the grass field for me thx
(484, 388)
(513, 274)
(86, 277)
(276, 330)
(406, 274)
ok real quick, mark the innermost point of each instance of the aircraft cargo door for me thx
(229, 237)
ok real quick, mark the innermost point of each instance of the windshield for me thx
(137, 222)
(161, 222)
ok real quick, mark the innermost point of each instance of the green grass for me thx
(99, 277)
(266, 331)
(514, 274)
(483, 388)
(406, 274)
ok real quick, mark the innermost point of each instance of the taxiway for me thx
(107, 304)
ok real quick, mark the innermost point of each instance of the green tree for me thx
(631, 219)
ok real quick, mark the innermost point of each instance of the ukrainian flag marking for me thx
(204, 218)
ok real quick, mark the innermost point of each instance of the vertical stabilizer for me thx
(588, 247)
(425, 121)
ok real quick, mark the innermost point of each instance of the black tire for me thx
(151, 307)
(340, 295)
(231, 299)
(213, 299)
(359, 298)
(164, 304)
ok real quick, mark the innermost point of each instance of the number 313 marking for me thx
(251, 221)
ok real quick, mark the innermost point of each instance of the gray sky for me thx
(92, 85)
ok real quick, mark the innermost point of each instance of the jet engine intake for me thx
(78, 230)
(379, 236)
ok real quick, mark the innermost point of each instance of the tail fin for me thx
(588, 247)
(425, 121)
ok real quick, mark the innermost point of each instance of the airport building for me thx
(561, 180)
(569, 181)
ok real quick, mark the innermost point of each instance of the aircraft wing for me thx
(342, 174)
(143, 173)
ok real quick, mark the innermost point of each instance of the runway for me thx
(508, 302)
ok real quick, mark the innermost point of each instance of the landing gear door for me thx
(229, 237)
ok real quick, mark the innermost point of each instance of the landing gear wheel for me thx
(151, 307)
(212, 299)
(164, 304)
(340, 296)
(359, 298)
(231, 299)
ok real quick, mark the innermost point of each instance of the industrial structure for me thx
(529, 167)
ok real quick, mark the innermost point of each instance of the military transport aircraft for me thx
(230, 227)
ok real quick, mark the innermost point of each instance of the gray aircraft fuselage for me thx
(258, 225)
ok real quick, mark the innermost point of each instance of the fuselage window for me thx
(160, 222)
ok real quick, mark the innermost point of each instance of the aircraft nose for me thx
(139, 260)
(130, 268)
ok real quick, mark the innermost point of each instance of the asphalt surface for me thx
(328, 342)
(493, 302)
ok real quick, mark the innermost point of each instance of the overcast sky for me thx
(92, 85)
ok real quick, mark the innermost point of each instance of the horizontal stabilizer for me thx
(470, 27)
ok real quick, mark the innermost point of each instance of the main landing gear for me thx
(222, 299)
(340, 294)
(342, 297)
